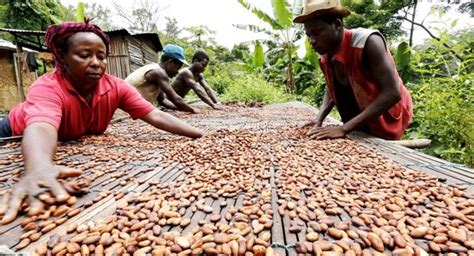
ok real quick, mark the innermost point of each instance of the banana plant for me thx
(402, 59)
(282, 31)
(258, 56)
(81, 12)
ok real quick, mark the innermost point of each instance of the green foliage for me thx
(258, 56)
(443, 96)
(81, 12)
(402, 59)
(282, 13)
(283, 37)
(172, 29)
(240, 53)
(378, 15)
(222, 75)
(261, 15)
(310, 55)
(30, 14)
(201, 36)
(250, 88)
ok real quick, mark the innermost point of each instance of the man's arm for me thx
(163, 101)
(38, 149)
(381, 67)
(169, 123)
(189, 80)
(155, 77)
(326, 108)
(208, 89)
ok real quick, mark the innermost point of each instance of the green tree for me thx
(30, 14)
(283, 34)
(171, 28)
(378, 15)
(240, 53)
(442, 88)
(201, 36)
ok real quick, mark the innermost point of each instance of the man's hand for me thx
(219, 107)
(32, 185)
(311, 123)
(328, 132)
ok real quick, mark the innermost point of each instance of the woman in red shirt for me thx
(78, 98)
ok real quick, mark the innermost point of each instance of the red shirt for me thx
(52, 99)
(391, 124)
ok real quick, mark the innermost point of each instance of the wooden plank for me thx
(15, 230)
(106, 205)
(278, 228)
(290, 238)
(409, 154)
(451, 178)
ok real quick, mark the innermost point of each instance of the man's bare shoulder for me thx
(185, 73)
(156, 74)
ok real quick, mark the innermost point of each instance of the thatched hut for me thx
(129, 50)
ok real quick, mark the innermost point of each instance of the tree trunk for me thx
(413, 22)
(291, 79)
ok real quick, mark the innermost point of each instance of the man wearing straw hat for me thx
(361, 78)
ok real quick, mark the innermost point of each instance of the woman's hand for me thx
(35, 183)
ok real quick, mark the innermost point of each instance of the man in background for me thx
(153, 80)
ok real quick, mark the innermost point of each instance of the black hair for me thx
(200, 55)
(165, 58)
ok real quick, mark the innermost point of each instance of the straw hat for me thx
(314, 8)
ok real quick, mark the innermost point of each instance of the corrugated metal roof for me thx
(23, 31)
(153, 37)
(7, 45)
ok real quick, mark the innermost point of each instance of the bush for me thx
(219, 78)
(251, 88)
(442, 89)
(443, 112)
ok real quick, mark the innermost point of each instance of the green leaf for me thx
(454, 23)
(261, 15)
(252, 28)
(257, 29)
(55, 19)
(310, 54)
(297, 7)
(258, 55)
(403, 55)
(282, 13)
(81, 12)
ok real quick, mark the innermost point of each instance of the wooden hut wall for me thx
(8, 87)
(141, 53)
(118, 63)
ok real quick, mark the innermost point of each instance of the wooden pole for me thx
(415, 143)
(21, 92)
